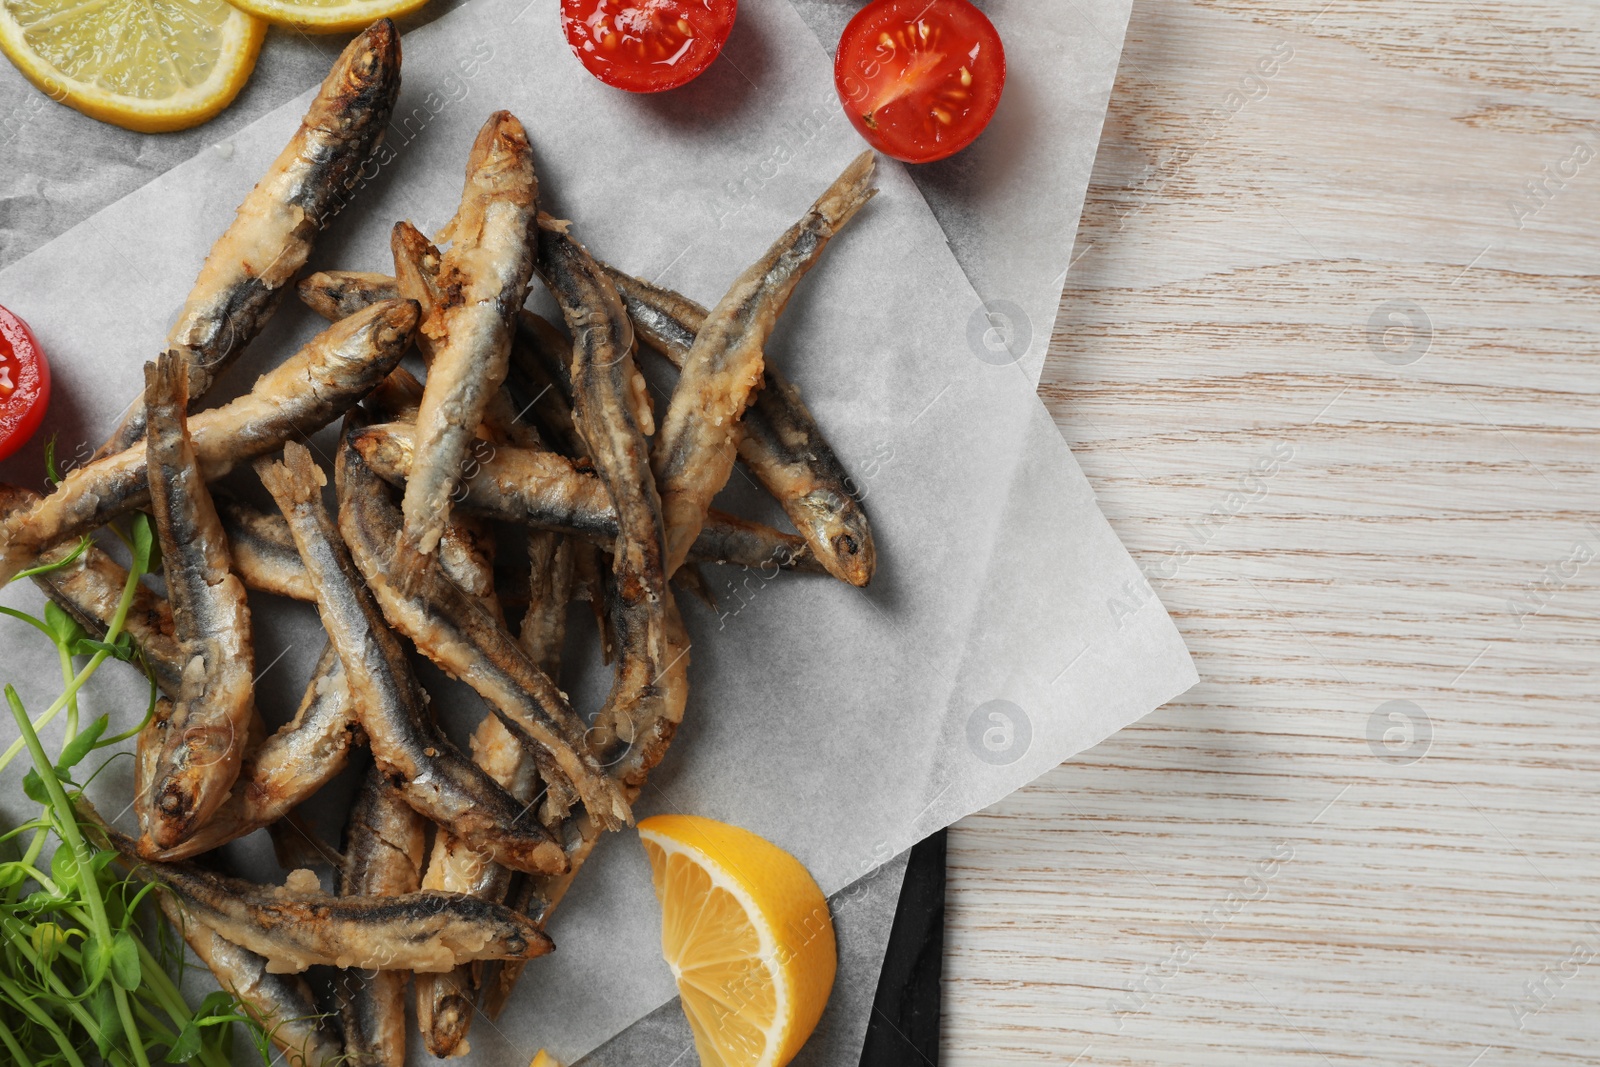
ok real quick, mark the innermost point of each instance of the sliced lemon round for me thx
(147, 65)
(328, 16)
(748, 936)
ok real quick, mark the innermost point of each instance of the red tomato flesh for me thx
(24, 383)
(645, 46)
(920, 79)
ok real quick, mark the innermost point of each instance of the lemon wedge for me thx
(147, 65)
(748, 936)
(328, 16)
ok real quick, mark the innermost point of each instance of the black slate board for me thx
(905, 1015)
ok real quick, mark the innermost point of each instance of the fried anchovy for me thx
(541, 367)
(372, 1007)
(338, 294)
(214, 711)
(296, 925)
(539, 489)
(781, 442)
(434, 776)
(538, 895)
(605, 384)
(295, 399)
(671, 682)
(482, 281)
(296, 843)
(266, 560)
(699, 436)
(547, 491)
(264, 555)
(147, 755)
(463, 539)
(287, 768)
(550, 347)
(541, 370)
(395, 399)
(270, 238)
(281, 1003)
(383, 850)
(90, 589)
(538, 351)
(445, 1002)
(384, 842)
(416, 275)
(550, 579)
(453, 630)
(416, 264)
(466, 545)
(302, 756)
(466, 557)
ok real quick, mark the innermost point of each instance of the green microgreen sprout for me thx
(79, 982)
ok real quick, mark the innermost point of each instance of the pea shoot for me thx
(81, 982)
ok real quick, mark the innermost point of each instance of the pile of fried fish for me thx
(520, 430)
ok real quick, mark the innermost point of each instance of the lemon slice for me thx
(147, 65)
(748, 936)
(328, 16)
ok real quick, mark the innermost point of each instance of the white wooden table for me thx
(1357, 243)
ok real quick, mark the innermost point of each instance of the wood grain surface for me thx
(1328, 353)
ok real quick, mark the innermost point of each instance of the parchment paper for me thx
(844, 725)
(1010, 204)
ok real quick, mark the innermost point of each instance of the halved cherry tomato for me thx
(24, 383)
(645, 46)
(920, 79)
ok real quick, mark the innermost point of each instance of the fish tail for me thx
(166, 385)
(409, 566)
(850, 193)
(445, 1008)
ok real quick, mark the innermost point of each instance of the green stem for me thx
(137, 728)
(25, 1004)
(35, 847)
(66, 818)
(129, 588)
(9, 1040)
(65, 656)
(60, 702)
(73, 1005)
(165, 992)
(29, 858)
(158, 986)
(67, 828)
(161, 985)
(154, 1027)
(65, 561)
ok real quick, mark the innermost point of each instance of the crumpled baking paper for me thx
(1007, 628)
(1010, 204)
